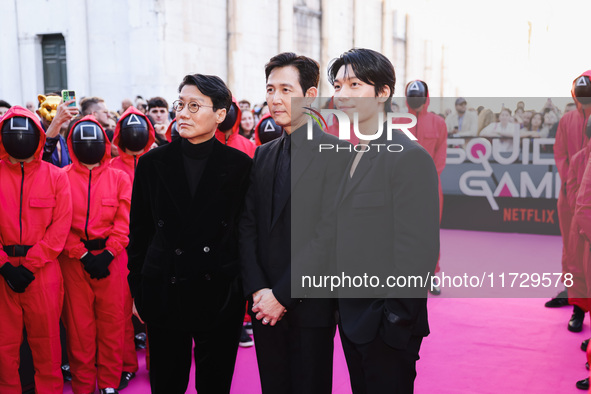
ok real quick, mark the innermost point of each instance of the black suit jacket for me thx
(268, 243)
(183, 251)
(387, 222)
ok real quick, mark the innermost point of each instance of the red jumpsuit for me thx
(36, 210)
(582, 216)
(576, 240)
(431, 133)
(235, 140)
(570, 138)
(244, 145)
(93, 309)
(127, 163)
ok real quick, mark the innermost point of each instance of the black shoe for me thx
(560, 300)
(110, 390)
(576, 320)
(583, 384)
(248, 328)
(125, 378)
(435, 290)
(245, 339)
(140, 341)
(584, 345)
(66, 373)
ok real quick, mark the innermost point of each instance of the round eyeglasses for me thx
(193, 106)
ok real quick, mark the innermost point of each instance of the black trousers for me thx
(294, 359)
(375, 367)
(215, 356)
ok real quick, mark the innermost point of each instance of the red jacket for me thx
(574, 178)
(35, 202)
(235, 140)
(583, 204)
(106, 214)
(431, 133)
(124, 162)
(570, 135)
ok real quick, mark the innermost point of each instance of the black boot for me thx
(583, 384)
(67, 375)
(561, 299)
(576, 320)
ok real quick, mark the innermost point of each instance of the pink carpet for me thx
(477, 345)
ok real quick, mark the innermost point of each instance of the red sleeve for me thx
(52, 243)
(441, 148)
(119, 236)
(3, 256)
(583, 203)
(572, 185)
(561, 151)
(74, 247)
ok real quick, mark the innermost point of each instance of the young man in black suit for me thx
(294, 337)
(183, 250)
(387, 223)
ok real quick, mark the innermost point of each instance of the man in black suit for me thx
(387, 224)
(183, 250)
(294, 337)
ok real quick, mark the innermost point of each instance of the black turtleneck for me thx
(195, 158)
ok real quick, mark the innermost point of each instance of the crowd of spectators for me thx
(468, 121)
(507, 124)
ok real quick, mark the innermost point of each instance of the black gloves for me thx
(97, 266)
(18, 278)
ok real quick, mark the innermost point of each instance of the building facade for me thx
(120, 49)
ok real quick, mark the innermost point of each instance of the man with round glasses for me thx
(183, 250)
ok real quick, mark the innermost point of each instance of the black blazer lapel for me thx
(267, 162)
(285, 193)
(363, 167)
(300, 161)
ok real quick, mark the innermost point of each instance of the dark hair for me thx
(308, 69)
(157, 102)
(244, 102)
(532, 118)
(88, 104)
(4, 104)
(213, 87)
(369, 66)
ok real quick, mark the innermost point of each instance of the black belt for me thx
(95, 244)
(16, 250)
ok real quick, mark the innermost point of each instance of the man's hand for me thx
(266, 307)
(63, 114)
(160, 129)
(256, 296)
